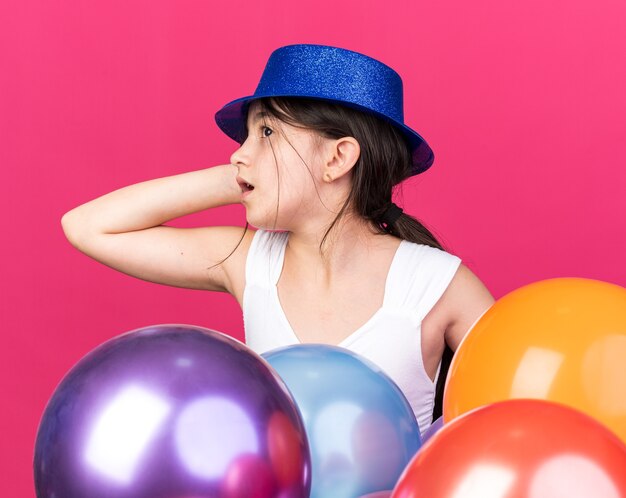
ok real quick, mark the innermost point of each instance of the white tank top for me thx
(391, 338)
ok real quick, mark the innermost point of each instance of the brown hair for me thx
(384, 161)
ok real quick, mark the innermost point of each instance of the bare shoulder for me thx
(464, 301)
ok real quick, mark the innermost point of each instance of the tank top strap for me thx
(264, 263)
(418, 277)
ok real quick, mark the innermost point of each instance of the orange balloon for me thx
(562, 340)
(522, 448)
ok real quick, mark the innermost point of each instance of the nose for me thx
(241, 155)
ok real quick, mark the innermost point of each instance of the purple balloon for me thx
(432, 429)
(172, 411)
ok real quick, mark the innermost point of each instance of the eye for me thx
(265, 130)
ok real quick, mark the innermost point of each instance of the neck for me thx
(346, 243)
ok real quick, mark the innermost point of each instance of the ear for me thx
(341, 156)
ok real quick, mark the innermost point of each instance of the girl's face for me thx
(278, 188)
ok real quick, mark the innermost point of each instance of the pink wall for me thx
(522, 102)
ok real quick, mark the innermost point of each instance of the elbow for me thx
(72, 227)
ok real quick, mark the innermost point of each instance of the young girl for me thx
(334, 261)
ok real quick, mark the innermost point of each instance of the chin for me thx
(264, 217)
(265, 222)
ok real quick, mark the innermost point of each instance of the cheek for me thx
(297, 180)
(290, 182)
(296, 193)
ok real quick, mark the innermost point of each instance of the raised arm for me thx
(124, 230)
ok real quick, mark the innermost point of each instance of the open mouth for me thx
(244, 185)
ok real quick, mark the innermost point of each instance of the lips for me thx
(244, 185)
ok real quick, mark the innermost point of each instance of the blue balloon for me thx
(361, 429)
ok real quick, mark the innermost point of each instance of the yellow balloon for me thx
(561, 340)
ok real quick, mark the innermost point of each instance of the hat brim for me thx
(232, 117)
